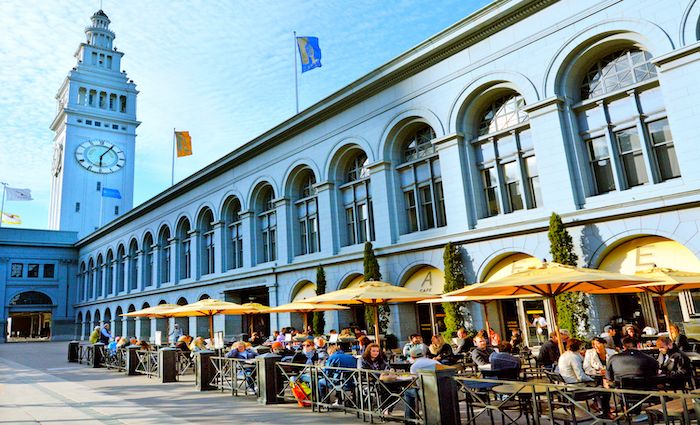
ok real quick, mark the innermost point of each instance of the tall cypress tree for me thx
(319, 322)
(454, 279)
(572, 307)
(372, 272)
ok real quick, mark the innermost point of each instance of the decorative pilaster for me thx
(383, 208)
(174, 261)
(195, 251)
(452, 153)
(217, 240)
(326, 208)
(284, 252)
(249, 240)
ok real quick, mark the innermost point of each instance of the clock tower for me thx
(95, 135)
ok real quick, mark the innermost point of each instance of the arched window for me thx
(421, 182)
(148, 260)
(267, 222)
(31, 298)
(121, 268)
(207, 249)
(306, 212)
(164, 255)
(90, 279)
(505, 157)
(82, 96)
(622, 120)
(109, 270)
(234, 239)
(82, 280)
(133, 265)
(98, 276)
(184, 250)
(356, 196)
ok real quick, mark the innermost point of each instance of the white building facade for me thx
(475, 136)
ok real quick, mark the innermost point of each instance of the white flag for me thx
(14, 194)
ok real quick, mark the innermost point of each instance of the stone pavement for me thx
(38, 385)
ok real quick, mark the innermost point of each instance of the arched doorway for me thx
(29, 316)
(305, 290)
(516, 314)
(642, 253)
(430, 318)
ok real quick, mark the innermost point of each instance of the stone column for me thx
(155, 281)
(558, 164)
(249, 239)
(174, 261)
(127, 273)
(453, 166)
(195, 257)
(284, 252)
(383, 206)
(218, 240)
(139, 275)
(326, 223)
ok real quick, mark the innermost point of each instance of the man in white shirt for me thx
(540, 325)
(419, 362)
(415, 340)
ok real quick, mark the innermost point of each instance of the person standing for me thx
(175, 334)
(105, 336)
(540, 325)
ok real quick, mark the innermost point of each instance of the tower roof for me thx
(100, 13)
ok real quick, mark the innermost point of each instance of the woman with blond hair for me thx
(439, 350)
(198, 345)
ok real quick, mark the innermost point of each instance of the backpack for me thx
(301, 392)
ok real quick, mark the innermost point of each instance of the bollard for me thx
(204, 370)
(73, 351)
(439, 397)
(268, 378)
(132, 360)
(167, 358)
(98, 351)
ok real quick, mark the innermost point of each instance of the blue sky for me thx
(221, 69)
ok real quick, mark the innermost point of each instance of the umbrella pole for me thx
(211, 328)
(306, 320)
(553, 307)
(376, 321)
(662, 301)
(488, 327)
(167, 332)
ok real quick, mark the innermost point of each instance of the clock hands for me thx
(105, 153)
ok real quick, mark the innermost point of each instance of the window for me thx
(112, 102)
(184, 254)
(419, 173)
(88, 122)
(98, 123)
(109, 270)
(122, 104)
(505, 156)
(82, 97)
(92, 98)
(90, 279)
(49, 271)
(148, 260)
(99, 186)
(77, 207)
(121, 268)
(133, 266)
(164, 255)
(626, 131)
(16, 270)
(116, 210)
(356, 195)
(234, 241)
(32, 270)
(98, 277)
(206, 229)
(306, 206)
(103, 101)
(115, 127)
(267, 220)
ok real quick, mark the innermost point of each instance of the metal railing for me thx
(482, 401)
(184, 363)
(85, 353)
(237, 376)
(370, 394)
(115, 359)
(147, 362)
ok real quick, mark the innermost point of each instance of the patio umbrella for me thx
(160, 311)
(254, 308)
(669, 280)
(482, 299)
(550, 280)
(371, 293)
(208, 308)
(305, 308)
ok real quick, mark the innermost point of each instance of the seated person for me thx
(339, 359)
(321, 348)
(482, 353)
(239, 351)
(494, 338)
(570, 364)
(503, 359)
(419, 362)
(549, 351)
(632, 332)
(596, 358)
(679, 340)
(439, 350)
(112, 346)
(95, 335)
(609, 336)
(414, 340)
(307, 354)
(629, 363)
(272, 338)
(183, 343)
(373, 358)
(279, 349)
(362, 343)
(516, 341)
(144, 345)
(255, 339)
(464, 343)
(198, 345)
(673, 363)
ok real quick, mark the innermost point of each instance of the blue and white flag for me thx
(309, 52)
(111, 193)
(15, 194)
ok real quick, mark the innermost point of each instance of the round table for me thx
(508, 389)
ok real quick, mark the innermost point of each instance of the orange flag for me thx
(184, 143)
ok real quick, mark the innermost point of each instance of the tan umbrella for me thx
(254, 308)
(208, 308)
(371, 293)
(160, 311)
(305, 308)
(482, 299)
(669, 280)
(550, 280)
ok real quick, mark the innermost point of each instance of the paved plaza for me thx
(38, 385)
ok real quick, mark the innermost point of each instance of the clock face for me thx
(100, 156)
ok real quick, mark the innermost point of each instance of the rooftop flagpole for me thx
(296, 77)
(2, 206)
(172, 168)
